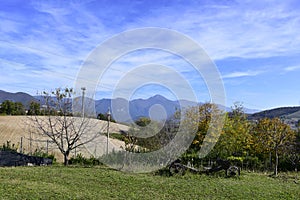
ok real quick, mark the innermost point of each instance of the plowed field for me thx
(16, 129)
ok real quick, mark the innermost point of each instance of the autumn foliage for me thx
(263, 143)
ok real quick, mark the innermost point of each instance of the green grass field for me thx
(58, 182)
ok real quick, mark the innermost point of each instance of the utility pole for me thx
(30, 143)
(21, 145)
(108, 120)
(82, 113)
(82, 101)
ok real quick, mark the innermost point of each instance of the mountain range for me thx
(158, 107)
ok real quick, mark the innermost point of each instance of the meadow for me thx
(59, 182)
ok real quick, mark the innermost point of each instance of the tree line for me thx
(258, 145)
(8, 107)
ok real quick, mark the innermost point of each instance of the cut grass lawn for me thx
(59, 182)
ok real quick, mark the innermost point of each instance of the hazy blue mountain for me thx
(22, 97)
(156, 107)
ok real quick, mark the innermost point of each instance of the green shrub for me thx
(9, 147)
(235, 160)
(81, 160)
(41, 153)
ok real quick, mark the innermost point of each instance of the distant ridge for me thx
(283, 112)
(140, 107)
(129, 111)
(22, 97)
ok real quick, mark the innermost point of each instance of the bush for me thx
(235, 160)
(9, 147)
(41, 153)
(81, 160)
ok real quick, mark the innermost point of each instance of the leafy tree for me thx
(236, 135)
(58, 124)
(143, 121)
(293, 149)
(149, 135)
(206, 122)
(204, 113)
(34, 108)
(272, 135)
(12, 108)
(237, 111)
(104, 117)
(19, 109)
(144, 133)
(7, 107)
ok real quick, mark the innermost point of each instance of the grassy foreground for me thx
(58, 182)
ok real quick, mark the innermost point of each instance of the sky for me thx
(255, 46)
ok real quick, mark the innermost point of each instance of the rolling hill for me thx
(17, 128)
(290, 115)
(283, 112)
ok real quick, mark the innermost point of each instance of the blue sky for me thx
(254, 44)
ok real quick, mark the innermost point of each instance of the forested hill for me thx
(22, 97)
(284, 112)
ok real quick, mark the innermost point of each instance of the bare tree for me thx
(65, 130)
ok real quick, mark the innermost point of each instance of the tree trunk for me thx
(66, 161)
(270, 160)
(276, 163)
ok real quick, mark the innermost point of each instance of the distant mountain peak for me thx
(158, 97)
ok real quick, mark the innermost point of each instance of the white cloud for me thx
(241, 74)
(47, 48)
(238, 30)
(292, 68)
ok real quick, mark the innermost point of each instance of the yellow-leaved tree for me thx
(236, 138)
(272, 135)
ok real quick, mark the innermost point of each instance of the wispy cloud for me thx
(241, 29)
(292, 68)
(241, 74)
(44, 43)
